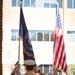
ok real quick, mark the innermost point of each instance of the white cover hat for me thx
(29, 62)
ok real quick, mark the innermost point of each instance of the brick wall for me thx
(1, 37)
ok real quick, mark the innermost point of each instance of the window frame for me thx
(17, 3)
(72, 4)
(34, 33)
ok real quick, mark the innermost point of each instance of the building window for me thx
(53, 5)
(35, 35)
(25, 3)
(71, 3)
(71, 36)
(13, 2)
(14, 35)
(46, 36)
(60, 3)
(32, 3)
(18, 2)
(29, 3)
(48, 69)
(39, 36)
(48, 4)
(52, 34)
(32, 35)
(74, 3)
(45, 68)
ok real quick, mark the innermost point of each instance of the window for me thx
(71, 36)
(74, 3)
(25, 3)
(14, 35)
(53, 5)
(32, 3)
(13, 2)
(47, 69)
(52, 34)
(39, 36)
(35, 35)
(47, 4)
(29, 3)
(18, 1)
(71, 3)
(40, 67)
(46, 36)
(60, 3)
(32, 35)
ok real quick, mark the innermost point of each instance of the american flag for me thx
(59, 54)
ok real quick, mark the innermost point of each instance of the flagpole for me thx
(64, 6)
(55, 70)
(19, 51)
(19, 37)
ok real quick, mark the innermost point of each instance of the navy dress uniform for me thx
(31, 69)
(29, 66)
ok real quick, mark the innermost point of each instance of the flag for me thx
(59, 54)
(24, 35)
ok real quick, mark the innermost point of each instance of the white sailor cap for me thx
(29, 62)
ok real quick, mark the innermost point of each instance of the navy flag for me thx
(24, 35)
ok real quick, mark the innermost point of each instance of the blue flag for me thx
(24, 35)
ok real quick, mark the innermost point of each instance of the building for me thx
(40, 17)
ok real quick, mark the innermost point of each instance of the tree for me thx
(71, 69)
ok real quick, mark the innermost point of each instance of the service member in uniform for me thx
(16, 69)
(31, 69)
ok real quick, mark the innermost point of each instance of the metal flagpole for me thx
(54, 68)
(19, 37)
(19, 51)
(19, 41)
(64, 7)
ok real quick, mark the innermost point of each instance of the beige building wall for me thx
(36, 19)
